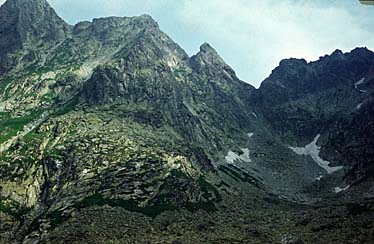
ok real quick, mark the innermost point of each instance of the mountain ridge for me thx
(111, 123)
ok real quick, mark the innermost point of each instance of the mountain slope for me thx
(301, 100)
(110, 123)
(24, 26)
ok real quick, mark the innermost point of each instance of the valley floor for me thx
(260, 219)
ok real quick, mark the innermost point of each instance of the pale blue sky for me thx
(251, 35)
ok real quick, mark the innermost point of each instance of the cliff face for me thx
(110, 121)
(25, 27)
(301, 100)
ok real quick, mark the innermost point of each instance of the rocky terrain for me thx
(111, 133)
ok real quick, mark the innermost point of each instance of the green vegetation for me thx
(4, 82)
(58, 218)
(4, 89)
(179, 72)
(12, 208)
(130, 205)
(9, 126)
(159, 205)
(65, 109)
(47, 97)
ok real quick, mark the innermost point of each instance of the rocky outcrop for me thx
(352, 140)
(112, 118)
(301, 100)
(25, 26)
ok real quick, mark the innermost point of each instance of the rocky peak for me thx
(298, 71)
(207, 56)
(207, 48)
(150, 47)
(291, 63)
(337, 53)
(31, 20)
(362, 51)
(291, 66)
(208, 61)
(28, 24)
(361, 54)
(136, 40)
(287, 74)
(141, 22)
(115, 25)
(146, 20)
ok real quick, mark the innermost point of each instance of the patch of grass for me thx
(10, 126)
(161, 205)
(30, 137)
(130, 205)
(12, 208)
(4, 82)
(54, 153)
(47, 97)
(56, 218)
(179, 72)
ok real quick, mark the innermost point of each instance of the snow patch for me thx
(58, 164)
(250, 134)
(232, 157)
(319, 178)
(313, 150)
(359, 106)
(338, 189)
(245, 156)
(254, 115)
(360, 82)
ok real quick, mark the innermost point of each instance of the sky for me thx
(252, 36)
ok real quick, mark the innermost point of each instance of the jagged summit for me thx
(290, 62)
(337, 52)
(31, 20)
(292, 69)
(19, 3)
(142, 21)
(110, 123)
(27, 24)
(206, 48)
(362, 52)
(208, 56)
(209, 61)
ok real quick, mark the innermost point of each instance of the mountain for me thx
(27, 26)
(111, 133)
(302, 100)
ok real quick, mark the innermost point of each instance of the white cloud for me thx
(2, 1)
(262, 33)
